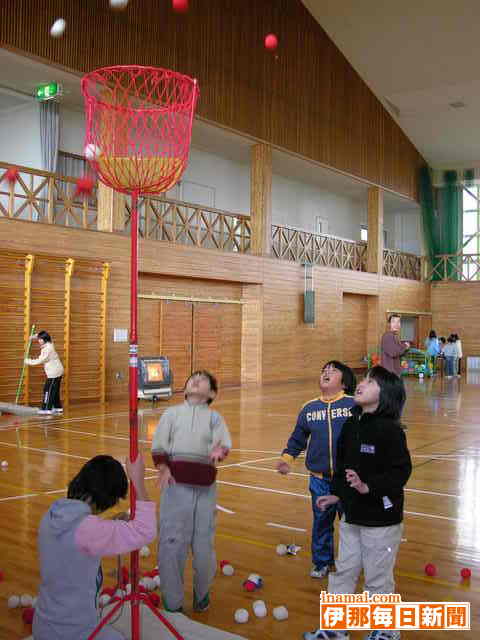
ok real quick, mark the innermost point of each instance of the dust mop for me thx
(18, 409)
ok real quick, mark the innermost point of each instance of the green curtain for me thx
(442, 221)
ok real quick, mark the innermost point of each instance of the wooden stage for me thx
(442, 524)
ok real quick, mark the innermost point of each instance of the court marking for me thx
(284, 526)
(307, 475)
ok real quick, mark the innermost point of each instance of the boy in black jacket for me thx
(373, 466)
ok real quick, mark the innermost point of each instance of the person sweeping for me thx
(53, 368)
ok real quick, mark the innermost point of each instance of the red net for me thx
(139, 126)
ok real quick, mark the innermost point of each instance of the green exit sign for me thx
(48, 91)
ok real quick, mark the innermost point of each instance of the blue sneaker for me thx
(383, 635)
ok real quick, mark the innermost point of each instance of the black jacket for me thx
(376, 448)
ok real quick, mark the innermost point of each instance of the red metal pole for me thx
(133, 402)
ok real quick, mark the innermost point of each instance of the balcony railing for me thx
(40, 196)
(455, 267)
(190, 224)
(402, 265)
(293, 244)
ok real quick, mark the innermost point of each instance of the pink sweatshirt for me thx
(98, 537)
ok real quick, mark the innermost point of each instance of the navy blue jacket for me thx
(319, 425)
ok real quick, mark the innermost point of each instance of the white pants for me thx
(373, 549)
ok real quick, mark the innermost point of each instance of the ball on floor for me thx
(26, 600)
(13, 602)
(466, 574)
(260, 608)
(144, 552)
(241, 616)
(282, 549)
(27, 615)
(280, 613)
(430, 569)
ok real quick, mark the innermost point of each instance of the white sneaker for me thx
(58, 410)
(45, 412)
(315, 572)
(383, 635)
(319, 634)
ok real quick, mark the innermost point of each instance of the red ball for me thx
(180, 6)
(154, 599)
(11, 175)
(27, 615)
(430, 570)
(466, 574)
(84, 186)
(271, 42)
(142, 589)
(250, 586)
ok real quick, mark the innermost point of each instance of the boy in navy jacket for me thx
(318, 428)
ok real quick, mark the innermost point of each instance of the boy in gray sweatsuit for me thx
(190, 439)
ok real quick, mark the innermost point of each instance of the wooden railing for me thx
(40, 196)
(455, 267)
(190, 224)
(293, 244)
(402, 265)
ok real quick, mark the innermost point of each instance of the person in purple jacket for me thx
(392, 348)
(72, 540)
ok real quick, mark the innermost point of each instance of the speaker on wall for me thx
(309, 307)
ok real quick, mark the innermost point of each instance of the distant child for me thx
(451, 356)
(53, 370)
(458, 342)
(318, 427)
(373, 466)
(190, 439)
(432, 346)
(441, 356)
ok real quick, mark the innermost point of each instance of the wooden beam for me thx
(111, 209)
(375, 231)
(261, 199)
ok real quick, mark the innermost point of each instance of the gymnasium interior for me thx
(331, 181)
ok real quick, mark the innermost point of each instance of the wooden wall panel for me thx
(306, 98)
(275, 343)
(177, 339)
(456, 309)
(355, 326)
(207, 331)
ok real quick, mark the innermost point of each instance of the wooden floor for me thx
(442, 524)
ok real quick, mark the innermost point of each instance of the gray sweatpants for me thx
(373, 549)
(187, 520)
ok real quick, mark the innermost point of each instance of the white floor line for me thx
(302, 495)
(307, 475)
(225, 510)
(241, 464)
(284, 526)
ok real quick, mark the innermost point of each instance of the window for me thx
(321, 225)
(364, 234)
(471, 229)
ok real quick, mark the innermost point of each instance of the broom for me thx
(16, 408)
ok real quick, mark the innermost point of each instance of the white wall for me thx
(20, 135)
(72, 130)
(408, 232)
(297, 204)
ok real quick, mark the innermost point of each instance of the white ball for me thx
(228, 570)
(150, 584)
(128, 589)
(259, 608)
(92, 152)
(282, 549)
(104, 600)
(280, 613)
(26, 600)
(254, 577)
(58, 28)
(144, 552)
(118, 4)
(241, 616)
(13, 602)
(156, 580)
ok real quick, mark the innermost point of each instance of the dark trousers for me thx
(322, 530)
(51, 394)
